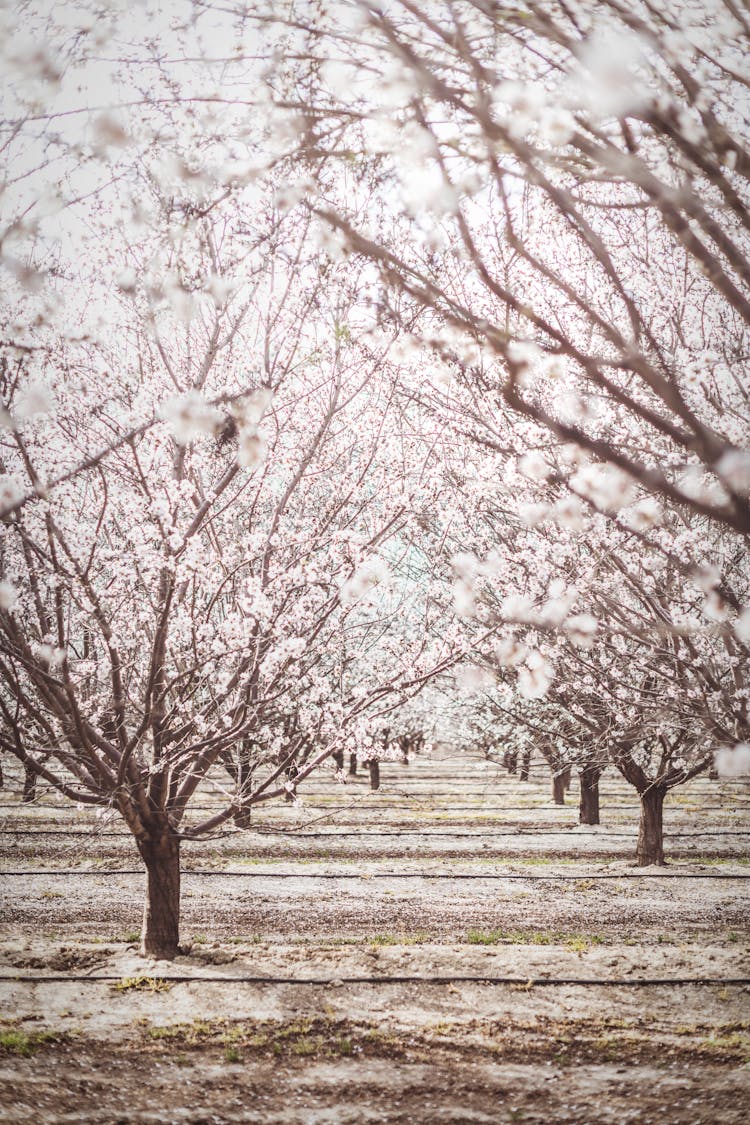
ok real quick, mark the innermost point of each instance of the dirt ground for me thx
(453, 948)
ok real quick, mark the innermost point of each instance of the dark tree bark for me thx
(242, 818)
(588, 807)
(338, 757)
(29, 784)
(161, 917)
(566, 778)
(558, 787)
(374, 767)
(651, 829)
(352, 765)
(292, 772)
(244, 785)
(525, 762)
(510, 761)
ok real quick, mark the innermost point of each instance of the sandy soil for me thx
(331, 904)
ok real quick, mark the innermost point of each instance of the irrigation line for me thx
(383, 807)
(103, 873)
(264, 830)
(518, 982)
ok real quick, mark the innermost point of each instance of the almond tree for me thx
(196, 599)
(564, 222)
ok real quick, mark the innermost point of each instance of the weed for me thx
(399, 939)
(306, 1046)
(577, 942)
(165, 1032)
(232, 1055)
(17, 1042)
(142, 984)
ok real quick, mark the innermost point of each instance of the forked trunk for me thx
(29, 784)
(651, 830)
(374, 767)
(161, 916)
(588, 807)
(558, 788)
(352, 765)
(525, 762)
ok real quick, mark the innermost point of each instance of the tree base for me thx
(160, 934)
(588, 807)
(650, 850)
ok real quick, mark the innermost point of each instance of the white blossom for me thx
(34, 399)
(535, 466)
(190, 416)
(609, 80)
(370, 574)
(474, 678)
(644, 514)
(742, 626)
(733, 761)
(535, 676)
(734, 468)
(605, 485)
(8, 595)
(252, 449)
(464, 598)
(581, 629)
(510, 652)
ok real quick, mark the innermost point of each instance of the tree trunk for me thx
(242, 818)
(338, 757)
(510, 761)
(374, 767)
(558, 787)
(29, 784)
(525, 762)
(352, 765)
(651, 828)
(161, 915)
(588, 807)
(566, 778)
(244, 786)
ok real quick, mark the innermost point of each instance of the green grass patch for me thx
(14, 1041)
